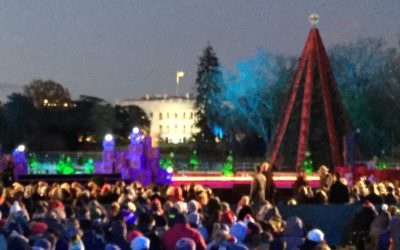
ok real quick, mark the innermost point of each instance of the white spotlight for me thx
(170, 170)
(136, 130)
(108, 137)
(21, 148)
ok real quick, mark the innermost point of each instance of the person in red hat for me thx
(38, 228)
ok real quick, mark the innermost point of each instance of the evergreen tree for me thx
(194, 161)
(227, 167)
(307, 165)
(207, 86)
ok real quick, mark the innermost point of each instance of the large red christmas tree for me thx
(315, 120)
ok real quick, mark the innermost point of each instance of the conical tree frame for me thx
(313, 82)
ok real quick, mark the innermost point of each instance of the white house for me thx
(172, 118)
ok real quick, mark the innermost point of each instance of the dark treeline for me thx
(44, 117)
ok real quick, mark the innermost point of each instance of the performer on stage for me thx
(257, 190)
(270, 188)
(326, 179)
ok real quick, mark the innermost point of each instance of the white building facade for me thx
(172, 118)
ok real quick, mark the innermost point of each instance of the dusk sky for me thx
(118, 49)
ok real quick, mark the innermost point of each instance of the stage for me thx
(282, 180)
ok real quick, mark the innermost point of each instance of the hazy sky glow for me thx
(125, 49)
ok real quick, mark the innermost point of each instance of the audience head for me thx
(185, 244)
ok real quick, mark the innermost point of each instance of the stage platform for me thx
(67, 178)
(282, 180)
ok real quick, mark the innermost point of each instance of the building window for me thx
(160, 128)
(151, 115)
(176, 128)
(184, 129)
(167, 115)
(160, 116)
(191, 115)
(167, 128)
(176, 115)
(184, 115)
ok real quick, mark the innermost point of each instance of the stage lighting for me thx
(135, 130)
(108, 143)
(108, 137)
(170, 170)
(136, 136)
(21, 148)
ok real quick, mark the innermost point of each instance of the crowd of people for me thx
(99, 215)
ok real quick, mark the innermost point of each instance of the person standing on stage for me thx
(270, 188)
(325, 178)
(257, 189)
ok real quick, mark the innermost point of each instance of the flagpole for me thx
(179, 75)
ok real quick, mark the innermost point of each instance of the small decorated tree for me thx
(227, 167)
(65, 166)
(307, 165)
(194, 161)
(166, 162)
(89, 166)
(382, 164)
(34, 166)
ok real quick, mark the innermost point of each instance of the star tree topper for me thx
(314, 19)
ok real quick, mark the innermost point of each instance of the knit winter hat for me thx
(248, 219)
(131, 235)
(42, 244)
(128, 216)
(239, 231)
(140, 243)
(186, 244)
(112, 247)
(192, 206)
(194, 219)
(38, 228)
(315, 235)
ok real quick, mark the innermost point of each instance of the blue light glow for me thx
(218, 131)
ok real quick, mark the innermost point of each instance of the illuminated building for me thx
(172, 118)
